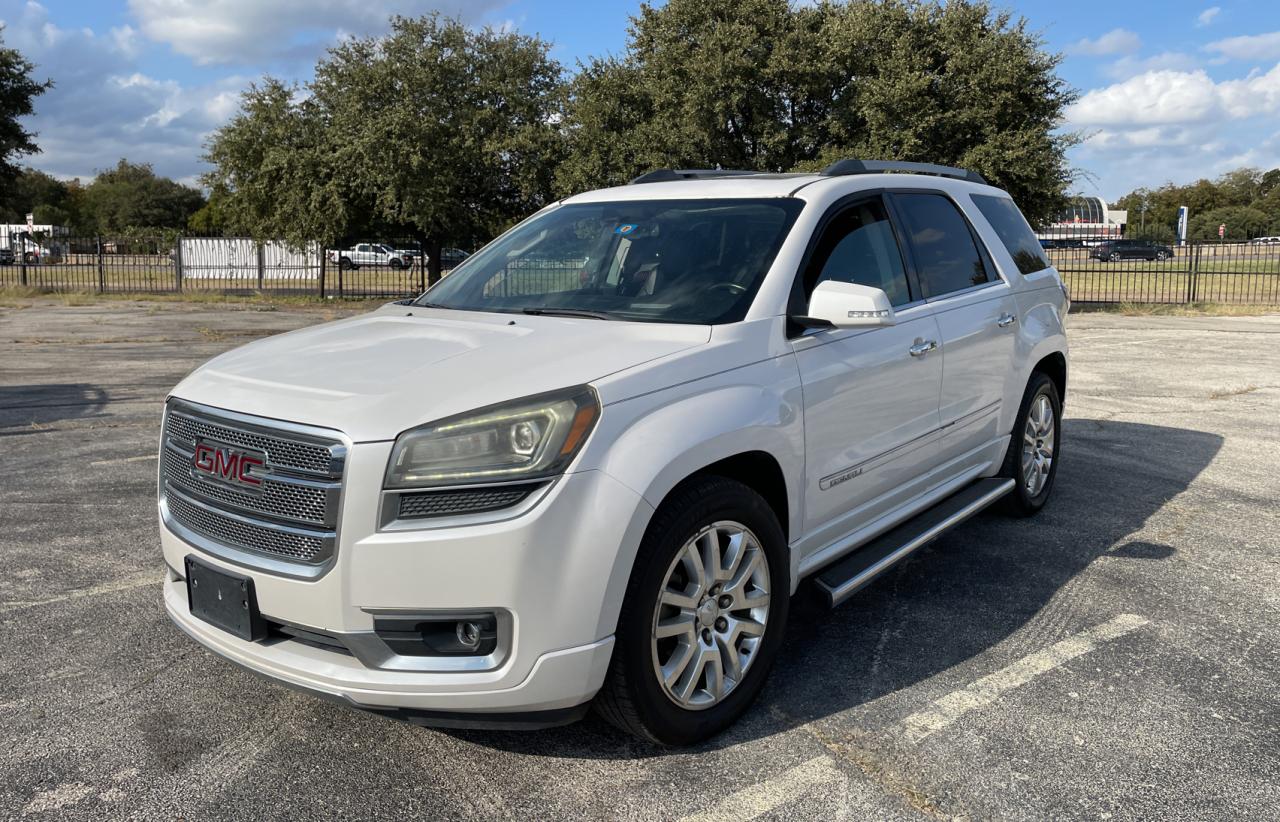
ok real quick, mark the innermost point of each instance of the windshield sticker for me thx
(625, 229)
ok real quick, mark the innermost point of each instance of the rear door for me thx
(977, 317)
(870, 405)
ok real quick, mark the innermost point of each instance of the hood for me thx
(401, 366)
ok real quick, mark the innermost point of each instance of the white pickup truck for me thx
(541, 486)
(370, 254)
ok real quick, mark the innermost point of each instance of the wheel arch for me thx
(1054, 365)
(726, 431)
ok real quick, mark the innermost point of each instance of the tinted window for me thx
(682, 261)
(859, 247)
(1012, 229)
(945, 256)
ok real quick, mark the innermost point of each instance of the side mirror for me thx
(848, 305)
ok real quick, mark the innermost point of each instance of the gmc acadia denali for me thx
(592, 465)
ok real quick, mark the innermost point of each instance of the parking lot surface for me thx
(1117, 657)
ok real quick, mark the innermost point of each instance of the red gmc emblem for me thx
(227, 464)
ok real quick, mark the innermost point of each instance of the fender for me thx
(658, 439)
(1041, 333)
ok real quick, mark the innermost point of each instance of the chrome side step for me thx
(842, 579)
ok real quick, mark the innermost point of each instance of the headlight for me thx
(524, 439)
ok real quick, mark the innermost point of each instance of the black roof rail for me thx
(841, 168)
(668, 175)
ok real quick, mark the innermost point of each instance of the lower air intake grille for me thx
(424, 504)
(236, 533)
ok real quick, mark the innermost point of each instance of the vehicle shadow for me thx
(36, 405)
(968, 591)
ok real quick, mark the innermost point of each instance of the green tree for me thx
(275, 173)
(762, 85)
(132, 195)
(18, 90)
(436, 128)
(34, 191)
(1242, 222)
(1246, 200)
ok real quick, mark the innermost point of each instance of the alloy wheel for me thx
(1037, 445)
(711, 615)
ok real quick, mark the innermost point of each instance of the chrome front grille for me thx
(286, 522)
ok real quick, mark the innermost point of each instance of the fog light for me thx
(469, 634)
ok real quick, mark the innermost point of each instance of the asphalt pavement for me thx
(1116, 657)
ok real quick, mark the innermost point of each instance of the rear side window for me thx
(1012, 229)
(945, 254)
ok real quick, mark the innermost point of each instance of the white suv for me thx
(594, 463)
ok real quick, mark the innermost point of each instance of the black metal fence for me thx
(1135, 271)
(229, 265)
(1095, 271)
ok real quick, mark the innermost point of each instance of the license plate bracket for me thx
(224, 600)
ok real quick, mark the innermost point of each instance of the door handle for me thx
(922, 347)
(1006, 320)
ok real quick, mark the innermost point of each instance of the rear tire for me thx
(345, 264)
(647, 691)
(1032, 459)
(1115, 257)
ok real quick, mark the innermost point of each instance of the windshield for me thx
(680, 261)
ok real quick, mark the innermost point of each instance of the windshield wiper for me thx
(568, 312)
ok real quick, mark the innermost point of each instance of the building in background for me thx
(1086, 218)
(34, 243)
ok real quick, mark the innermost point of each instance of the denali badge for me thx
(226, 463)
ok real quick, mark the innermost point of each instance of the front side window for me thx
(1014, 232)
(678, 261)
(859, 247)
(945, 255)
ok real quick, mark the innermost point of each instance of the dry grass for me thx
(1129, 309)
(23, 297)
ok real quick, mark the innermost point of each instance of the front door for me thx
(870, 404)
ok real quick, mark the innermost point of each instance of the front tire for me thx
(1032, 459)
(703, 617)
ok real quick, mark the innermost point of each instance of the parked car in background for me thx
(1265, 241)
(369, 254)
(1058, 243)
(450, 257)
(540, 487)
(412, 253)
(1117, 250)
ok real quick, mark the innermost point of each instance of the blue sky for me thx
(1170, 91)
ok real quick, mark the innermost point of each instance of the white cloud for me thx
(1207, 16)
(1129, 66)
(1248, 47)
(103, 107)
(1178, 97)
(1176, 125)
(240, 31)
(1116, 41)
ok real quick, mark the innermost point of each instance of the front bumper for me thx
(556, 572)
